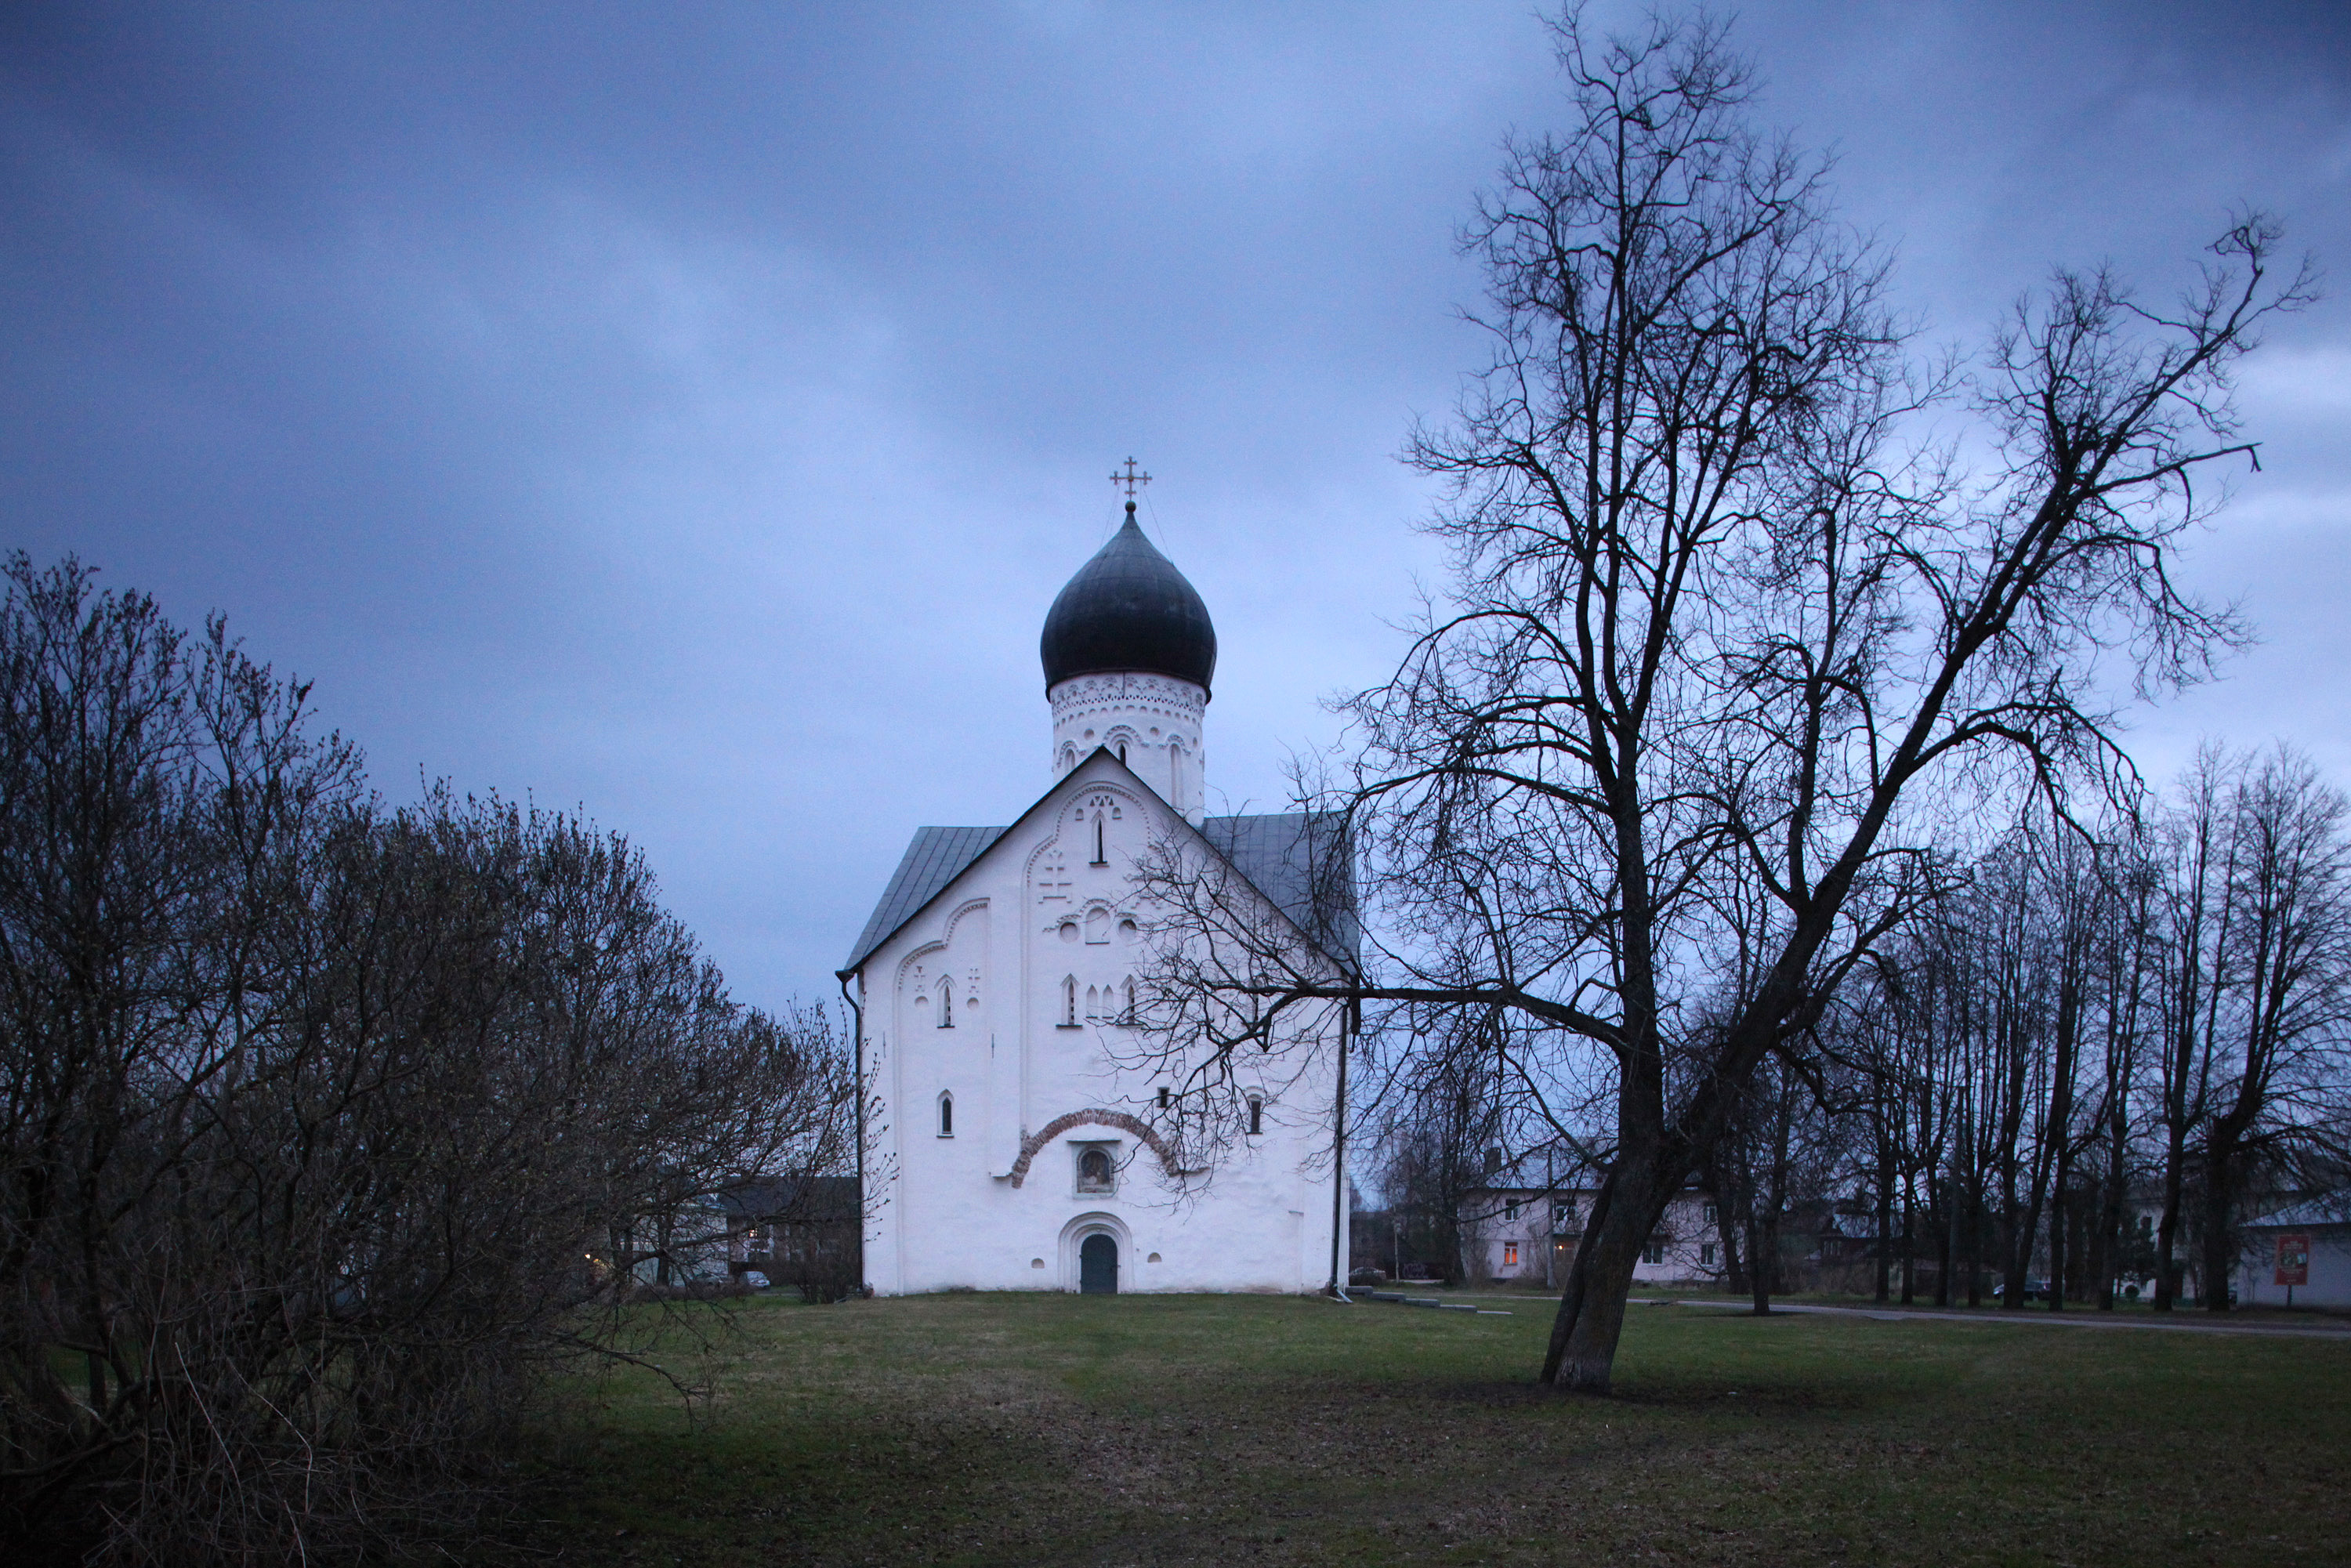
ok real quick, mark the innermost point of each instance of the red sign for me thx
(2293, 1260)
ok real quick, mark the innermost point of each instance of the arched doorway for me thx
(1097, 1266)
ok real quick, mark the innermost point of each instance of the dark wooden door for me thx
(1098, 1267)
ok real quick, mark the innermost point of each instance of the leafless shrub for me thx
(327, 1132)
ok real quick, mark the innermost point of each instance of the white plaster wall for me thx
(1487, 1231)
(1155, 723)
(1008, 933)
(2330, 1271)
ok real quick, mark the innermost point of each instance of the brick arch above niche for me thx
(1143, 1131)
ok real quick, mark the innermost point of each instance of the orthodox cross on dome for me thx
(1133, 479)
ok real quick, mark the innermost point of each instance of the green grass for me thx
(1158, 1429)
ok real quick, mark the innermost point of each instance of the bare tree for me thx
(2195, 954)
(1445, 1129)
(1710, 620)
(2126, 981)
(325, 1131)
(1777, 1146)
(2258, 971)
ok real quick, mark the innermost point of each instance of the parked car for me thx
(2034, 1290)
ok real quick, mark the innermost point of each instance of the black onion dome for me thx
(1129, 610)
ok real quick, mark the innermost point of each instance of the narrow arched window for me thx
(946, 1115)
(1122, 751)
(1128, 1016)
(1093, 1004)
(1257, 1117)
(1070, 1002)
(1101, 858)
(946, 1001)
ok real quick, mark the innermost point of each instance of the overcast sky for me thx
(687, 412)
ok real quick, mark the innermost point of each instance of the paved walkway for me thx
(2188, 1319)
(2174, 1322)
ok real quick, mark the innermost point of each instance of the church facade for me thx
(1027, 1134)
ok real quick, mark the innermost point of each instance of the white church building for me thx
(1025, 1136)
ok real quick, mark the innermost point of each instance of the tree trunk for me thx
(1972, 1203)
(1734, 1256)
(1909, 1248)
(2059, 1213)
(2101, 1264)
(1884, 1224)
(1591, 1316)
(2166, 1229)
(2018, 1222)
(2025, 1228)
(2219, 1240)
(2060, 1125)
(1727, 1230)
(2110, 1220)
(1947, 1250)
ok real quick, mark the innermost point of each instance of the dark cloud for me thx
(689, 411)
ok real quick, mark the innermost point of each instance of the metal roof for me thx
(1129, 609)
(2309, 1214)
(935, 858)
(1297, 860)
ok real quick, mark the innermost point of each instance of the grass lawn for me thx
(1164, 1430)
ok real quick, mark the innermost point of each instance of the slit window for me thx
(1164, 1097)
(1255, 1117)
(1100, 857)
(946, 1115)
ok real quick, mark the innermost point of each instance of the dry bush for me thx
(327, 1130)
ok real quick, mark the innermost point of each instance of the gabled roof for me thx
(2309, 1214)
(1297, 860)
(935, 858)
